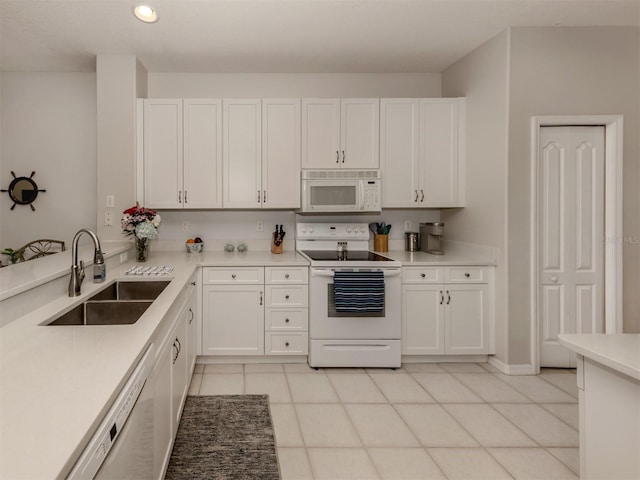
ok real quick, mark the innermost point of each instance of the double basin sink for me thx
(121, 303)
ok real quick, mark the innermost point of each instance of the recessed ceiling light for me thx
(145, 13)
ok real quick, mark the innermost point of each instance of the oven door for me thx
(326, 323)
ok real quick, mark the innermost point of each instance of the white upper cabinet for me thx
(182, 153)
(261, 164)
(242, 153)
(422, 152)
(340, 133)
(281, 153)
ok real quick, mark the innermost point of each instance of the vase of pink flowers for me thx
(143, 224)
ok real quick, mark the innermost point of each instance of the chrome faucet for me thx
(77, 269)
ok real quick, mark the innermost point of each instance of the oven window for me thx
(331, 307)
(338, 195)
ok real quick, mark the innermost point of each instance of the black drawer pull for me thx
(423, 275)
(467, 275)
(286, 320)
(286, 344)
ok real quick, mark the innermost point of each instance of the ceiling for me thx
(279, 36)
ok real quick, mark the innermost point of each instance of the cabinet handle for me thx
(286, 275)
(260, 297)
(422, 275)
(286, 297)
(416, 200)
(337, 156)
(467, 275)
(441, 298)
(286, 320)
(258, 196)
(179, 196)
(448, 297)
(233, 275)
(264, 196)
(422, 198)
(342, 156)
(185, 196)
(193, 315)
(286, 344)
(193, 283)
(179, 345)
(175, 355)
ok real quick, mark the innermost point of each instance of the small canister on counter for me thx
(412, 241)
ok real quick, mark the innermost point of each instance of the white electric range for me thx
(339, 338)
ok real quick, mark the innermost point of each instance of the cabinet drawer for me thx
(286, 275)
(286, 343)
(233, 275)
(422, 275)
(286, 320)
(465, 275)
(287, 296)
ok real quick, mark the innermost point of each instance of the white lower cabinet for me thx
(160, 378)
(447, 310)
(233, 311)
(179, 375)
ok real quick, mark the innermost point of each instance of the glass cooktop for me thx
(350, 255)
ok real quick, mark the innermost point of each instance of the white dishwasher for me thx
(122, 447)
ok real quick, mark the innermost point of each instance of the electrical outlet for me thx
(108, 219)
(185, 226)
(124, 257)
(111, 200)
(408, 226)
(259, 227)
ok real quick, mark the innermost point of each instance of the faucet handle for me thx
(81, 271)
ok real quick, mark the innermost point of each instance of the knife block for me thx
(275, 248)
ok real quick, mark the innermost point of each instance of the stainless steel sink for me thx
(104, 312)
(121, 303)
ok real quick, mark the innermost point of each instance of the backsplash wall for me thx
(234, 226)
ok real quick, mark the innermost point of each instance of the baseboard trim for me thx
(519, 369)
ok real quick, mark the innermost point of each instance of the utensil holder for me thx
(380, 242)
(275, 248)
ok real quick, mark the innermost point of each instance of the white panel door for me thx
(202, 153)
(439, 152)
(571, 229)
(242, 151)
(162, 153)
(360, 133)
(233, 320)
(466, 319)
(399, 151)
(321, 133)
(281, 153)
(422, 320)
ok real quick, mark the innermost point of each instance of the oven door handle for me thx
(329, 273)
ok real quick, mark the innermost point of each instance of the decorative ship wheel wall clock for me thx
(23, 191)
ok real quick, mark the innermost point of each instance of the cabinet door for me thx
(360, 133)
(192, 334)
(467, 319)
(439, 152)
(202, 153)
(281, 153)
(241, 151)
(233, 320)
(179, 375)
(400, 152)
(161, 423)
(321, 133)
(422, 320)
(163, 153)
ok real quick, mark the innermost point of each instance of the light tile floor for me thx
(422, 421)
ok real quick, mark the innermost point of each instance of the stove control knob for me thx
(310, 229)
(362, 229)
(348, 229)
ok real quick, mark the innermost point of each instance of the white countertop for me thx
(619, 352)
(454, 254)
(57, 382)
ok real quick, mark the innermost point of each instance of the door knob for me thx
(554, 279)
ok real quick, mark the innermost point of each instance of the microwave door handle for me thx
(361, 197)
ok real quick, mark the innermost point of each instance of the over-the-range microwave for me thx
(333, 191)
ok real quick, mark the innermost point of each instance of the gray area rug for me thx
(224, 437)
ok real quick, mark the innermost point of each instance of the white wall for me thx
(48, 125)
(264, 85)
(570, 71)
(482, 78)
